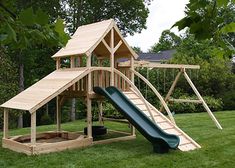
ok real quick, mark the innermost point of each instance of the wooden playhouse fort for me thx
(104, 42)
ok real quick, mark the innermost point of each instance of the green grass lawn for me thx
(218, 148)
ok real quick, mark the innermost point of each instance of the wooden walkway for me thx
(186, 143)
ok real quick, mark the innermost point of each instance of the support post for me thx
(203, 102)
(58, 63)
(171, 88)
(133, 81)
(5, 126)
(100, 104)
(58, 114)
(89, 114)
(112, 57)
(33, 128)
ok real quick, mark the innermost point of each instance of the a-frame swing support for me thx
(200, 99)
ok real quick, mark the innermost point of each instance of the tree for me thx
(211, 19)
(130, 16)
(24, 30)
(167, 41)
(137, 49)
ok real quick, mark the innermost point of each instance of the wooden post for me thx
(57, 63)
(89, 114)
(100, 104)
(33, 128)
(112, 57)
(203, 102)
(58, 114)
(72, 62)
(171, 89)
(133, 81)
(5, 126)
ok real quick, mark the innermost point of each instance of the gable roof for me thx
(156, 57)
(88, 38)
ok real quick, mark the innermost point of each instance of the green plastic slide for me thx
(160, 140)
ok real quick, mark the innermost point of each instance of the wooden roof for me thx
(88, 39)
(46, 89)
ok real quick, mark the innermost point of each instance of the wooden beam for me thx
(116, 120)
(174, 66)
(5, 126)
(185, 101)
(106, 45)
(33, 128)
(117, 46)
(57, 63)
(171, 89)
(89, 89)
(202, 100)
(112, 57)
(58, 114)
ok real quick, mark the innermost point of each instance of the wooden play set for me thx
(88, 52)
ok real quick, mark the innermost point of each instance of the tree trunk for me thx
(21, 86)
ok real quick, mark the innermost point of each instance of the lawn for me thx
(218, 148)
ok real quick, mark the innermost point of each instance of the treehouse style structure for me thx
(93, 52)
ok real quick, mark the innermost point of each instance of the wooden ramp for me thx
(46, 89)
(186, 143)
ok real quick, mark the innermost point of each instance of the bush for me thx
(229, 100)
(110, 111)
(46, 119)
(213, 103)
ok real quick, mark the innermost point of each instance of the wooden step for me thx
(186, 143)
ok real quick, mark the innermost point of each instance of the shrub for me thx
(213, 103)
(229, 100)
(46, 119)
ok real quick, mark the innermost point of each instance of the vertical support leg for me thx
(89, 89)
(58, 114)
(100, 104)
(5, 126)
(33, 128)
(89, 118)
(203, 102)
(112, 57)
(171, 89)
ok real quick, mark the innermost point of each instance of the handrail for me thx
(156, 93)
(137, 91)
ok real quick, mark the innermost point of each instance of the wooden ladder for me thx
(186, 143)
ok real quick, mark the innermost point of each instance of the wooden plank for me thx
(106, 141)
(5, 126)
(16, 146)
(185, 101)
(202, 100)
(64, 145)
(174, 66)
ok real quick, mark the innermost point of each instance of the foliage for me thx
(137, 49)
(167, 41)
(211, 19)
(8, 81)
(130, 16)
(213, 103)
(229, 99)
